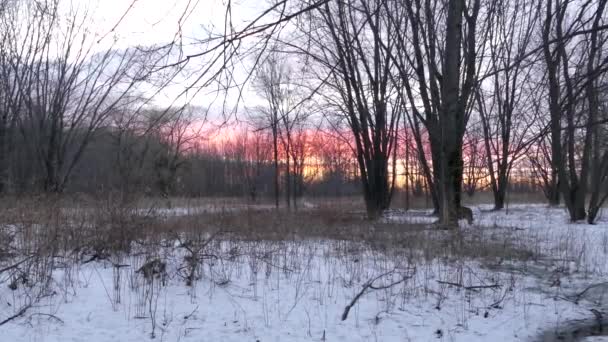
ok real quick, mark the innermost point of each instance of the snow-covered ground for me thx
(298, 290)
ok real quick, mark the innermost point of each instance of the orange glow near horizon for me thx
(320, 150)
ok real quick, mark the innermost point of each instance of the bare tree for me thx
(351, 43)
(539, 157)
(474, 161)
(10, 97)
(257, 149)
(505, 100)
(439, 82)
(251, 153)
(599, 158)
(67, 88)
(176, 130)
(293, 116)
(336, 166)
(573, 67)
(273, 85)
(300, 151)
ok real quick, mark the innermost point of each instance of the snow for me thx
(298, 290)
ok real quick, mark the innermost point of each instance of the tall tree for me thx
(505, 99)
(272, 83)
(439, 82)
(68, 88)
(10, 98)
(353, 43)
(573, 67)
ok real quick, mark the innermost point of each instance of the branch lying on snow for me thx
(191, 314)
(577, 297)
(473, 287)
(17, 264)
(598, 318)
(370, 285)
(49, 316)
(16, 315)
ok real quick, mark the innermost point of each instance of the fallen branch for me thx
(49, 316)
(598, 319)
(191, 314)
(17, 264)
(370, 285)
(18, 314)
(577, 297)
(472, 287)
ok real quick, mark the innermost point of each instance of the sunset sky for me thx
(153, 22)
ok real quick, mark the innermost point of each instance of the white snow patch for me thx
(300, 290)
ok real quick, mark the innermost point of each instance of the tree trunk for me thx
(451, 188)
(451, 119)
(287, 180)
(499, 199)
(592, 142)
(377, 192)
(554, 194)
(276, 165)
(4, 165)
(407, 173)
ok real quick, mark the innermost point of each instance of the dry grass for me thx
(110, 225)
(68, 232)
(413, 240)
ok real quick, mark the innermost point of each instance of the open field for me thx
(72, 271)
(262, 170)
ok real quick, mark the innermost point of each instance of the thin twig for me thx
(579, 295)
(370, 285)
(473, 287)
(18, 314)
(17, 264)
